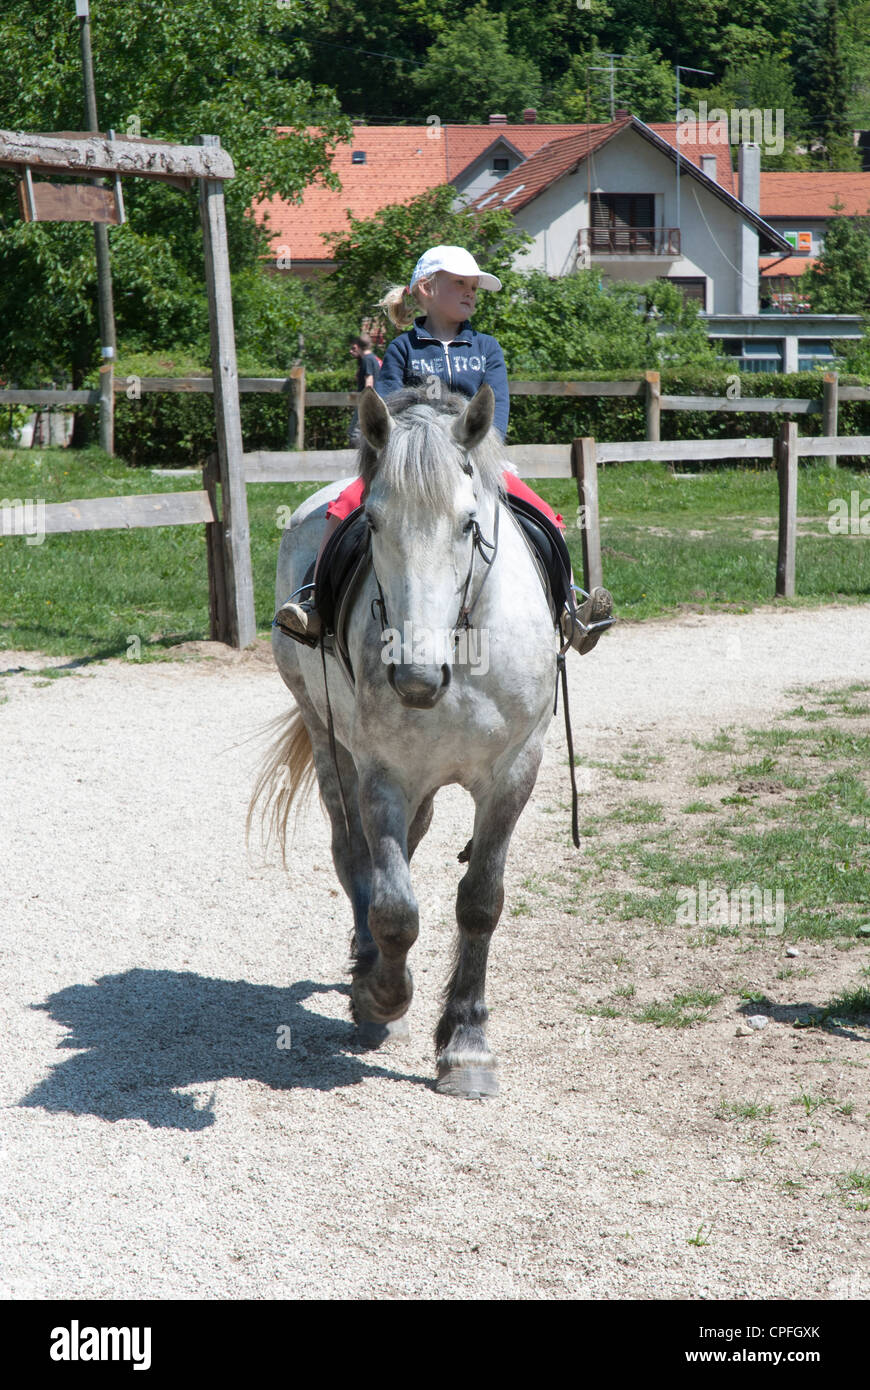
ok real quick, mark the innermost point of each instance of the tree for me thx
(382, 250)
(839, 282)
(165, 69)
(643, 84)
(764, 82)
(577, 321)
(470, 72)
(832, 94)
(824, 83)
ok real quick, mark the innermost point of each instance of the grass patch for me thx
(638, 811)
(681, 1011)
(854, 1189)
(743, 1110)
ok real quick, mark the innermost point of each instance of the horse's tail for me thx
(287, 774)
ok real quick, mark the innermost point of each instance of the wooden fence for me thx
(229, 550)
(299, 398)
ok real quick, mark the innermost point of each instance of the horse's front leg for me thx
(382, 985)
(466, 1066)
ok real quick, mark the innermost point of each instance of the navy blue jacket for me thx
(470, 359)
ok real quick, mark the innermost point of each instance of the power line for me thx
(370, 52)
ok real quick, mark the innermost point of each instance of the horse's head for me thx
(432, 471)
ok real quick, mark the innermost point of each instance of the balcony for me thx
(628, 241)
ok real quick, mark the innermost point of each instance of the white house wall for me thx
(480, 177)
(629, 164)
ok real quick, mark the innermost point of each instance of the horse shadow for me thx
(142, 1035)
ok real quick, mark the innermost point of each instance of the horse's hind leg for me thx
(466, 1066)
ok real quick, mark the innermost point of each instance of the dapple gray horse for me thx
(417, 718)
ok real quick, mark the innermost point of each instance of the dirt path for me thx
(157, 1143)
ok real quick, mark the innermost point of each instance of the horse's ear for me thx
(375, 421)
(475, 421)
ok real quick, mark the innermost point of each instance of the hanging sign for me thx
(69, 202)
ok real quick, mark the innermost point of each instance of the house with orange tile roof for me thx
(381, 165)
(800, 205)
(631, 200)
(637, 202)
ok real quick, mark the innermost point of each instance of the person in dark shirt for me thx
(368, 367)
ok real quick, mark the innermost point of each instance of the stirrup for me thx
(572, 625)
(307, 638)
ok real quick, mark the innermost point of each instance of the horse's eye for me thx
(370, 522)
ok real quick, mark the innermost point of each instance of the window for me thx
(813, 353)
(358, 157)
(614, 215)
(693, 287)
(501, 164)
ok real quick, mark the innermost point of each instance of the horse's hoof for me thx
(371, 1035)
(369, 1007)
(469, 1083)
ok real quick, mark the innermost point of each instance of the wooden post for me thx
(240, 623)
(214, 541)
(653, 406)
(787, 461)
(831, 386)
(584, 467)
(296, 439)
(107, 407)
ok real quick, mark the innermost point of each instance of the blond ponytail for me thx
(399, 306)
(400, 303)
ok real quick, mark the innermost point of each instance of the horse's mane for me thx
(422, 451)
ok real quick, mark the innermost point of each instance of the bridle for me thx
(479, 546)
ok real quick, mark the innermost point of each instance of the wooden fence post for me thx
(786, 464)
(296, 432)
(240, 621)
(653, 406)
(831, 388)
(584, 467)
(219, 629)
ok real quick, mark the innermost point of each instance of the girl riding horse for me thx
(441, 345)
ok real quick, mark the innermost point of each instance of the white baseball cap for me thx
(456, 261)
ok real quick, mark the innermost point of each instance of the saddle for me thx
(347, 556)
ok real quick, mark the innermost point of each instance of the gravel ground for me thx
(157, 1143)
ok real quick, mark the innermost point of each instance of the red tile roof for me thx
(564, 154)
(791, 265)
(692, 151)
(559, 157)
(798, 194)
(401, 162)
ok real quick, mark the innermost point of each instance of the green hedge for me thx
(169, 429)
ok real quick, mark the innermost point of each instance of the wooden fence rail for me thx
(579, 461)
(294, 388)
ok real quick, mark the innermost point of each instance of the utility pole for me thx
(101, 239)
